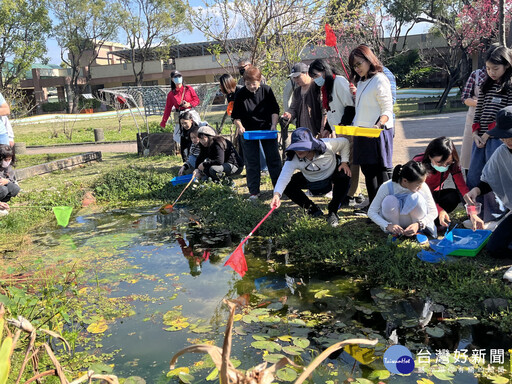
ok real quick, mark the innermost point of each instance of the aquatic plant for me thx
(33, 352)
(260, 374)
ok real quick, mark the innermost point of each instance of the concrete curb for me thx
(56, 165)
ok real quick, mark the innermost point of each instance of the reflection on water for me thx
(174, 270)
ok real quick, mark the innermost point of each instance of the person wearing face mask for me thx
(8, 185)
(404, 204)
(181, 98)
(442, 160)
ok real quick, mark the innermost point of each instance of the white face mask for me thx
(6, 163)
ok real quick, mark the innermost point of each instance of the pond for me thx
(169, 273)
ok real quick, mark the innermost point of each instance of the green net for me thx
(62, 214)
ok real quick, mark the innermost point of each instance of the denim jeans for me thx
(492, 207)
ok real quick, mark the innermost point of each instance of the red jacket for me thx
(174, 99)
(436, 179)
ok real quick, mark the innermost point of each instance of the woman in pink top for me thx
(182, 97)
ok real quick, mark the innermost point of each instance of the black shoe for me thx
(361, 211)
(333, 220)
(314, 211)
(359, 199)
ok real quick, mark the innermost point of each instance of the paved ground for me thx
(411, 137)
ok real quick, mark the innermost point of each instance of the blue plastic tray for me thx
(465, 242)
(260, 135)
(181, 179)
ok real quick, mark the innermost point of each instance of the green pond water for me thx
(170, 273)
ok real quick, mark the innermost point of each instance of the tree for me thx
(272, 34)
(24, 29)
(82, 29)
(150, 24)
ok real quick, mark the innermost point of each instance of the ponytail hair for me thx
(411, 171)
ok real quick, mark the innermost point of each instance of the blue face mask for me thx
(177, 80)
(320, 81)
(439, 168)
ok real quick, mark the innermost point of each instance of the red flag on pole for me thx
(330, 37)
(237, 261)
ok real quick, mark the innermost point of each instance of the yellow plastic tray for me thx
(357, 131)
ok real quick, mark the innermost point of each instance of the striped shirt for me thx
(488, 106)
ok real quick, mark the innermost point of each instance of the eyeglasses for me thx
(357, 65)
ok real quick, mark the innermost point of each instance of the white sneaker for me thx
(508, 275)
(308, 193)
(491, 225)
(467, 224)
(4, 212)
(328, 195)
(254, 198)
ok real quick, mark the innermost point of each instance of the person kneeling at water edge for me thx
(218, 158)
(321, 171)
(404, 205)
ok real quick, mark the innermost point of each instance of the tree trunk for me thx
(454, 77)
(501, 23)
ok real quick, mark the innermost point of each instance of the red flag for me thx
(237, 261)
(330, 37)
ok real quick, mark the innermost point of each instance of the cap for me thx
(176, 73)
(299, 68)
(206, 130)
(503, 128)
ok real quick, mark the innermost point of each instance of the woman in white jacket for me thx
(374, 109)
(404, 205)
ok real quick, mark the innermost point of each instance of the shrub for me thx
(56, 106)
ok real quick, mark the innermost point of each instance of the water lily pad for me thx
(135, 380)
(286, 374)
(424, 381)
(98, 327)
(250, 319)
(380, 374)
(201, 329)
(301, 342)
(101, 368)
(213, 375)
(435, 331)
(177, 324)
(498, 379)
(171, 315)
(285, 338)
(259, 337)
(322, 293)
(186, 377)
(273, 357)
(295, 351)
(259, 312)
(269, 346)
